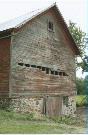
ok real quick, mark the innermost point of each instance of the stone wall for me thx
(27, 104)
(35, 105)
(70, 109)
(23, 104)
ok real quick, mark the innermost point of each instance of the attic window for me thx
(50, 26)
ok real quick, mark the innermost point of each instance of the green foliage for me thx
(69, 120)
(81, 85)
(80, 39)
(81, 100)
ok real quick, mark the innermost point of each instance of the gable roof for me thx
(8, 27)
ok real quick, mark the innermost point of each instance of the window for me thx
(43, 68)
(27, 65)
(50, 26)
(56, 72)
(64, 74)
(60, 73)
(47, 70)
(65, 100)
(39, 67)
(52, 72)
(34, 66)
(21, 64)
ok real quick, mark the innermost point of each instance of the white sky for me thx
(74, 10)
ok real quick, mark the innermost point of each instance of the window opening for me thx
(47, 70)
(27, 65)
(39, 67)
(21, 64)
(64, 74)
(65, 100)
(43, 68)
(60, 73)
(50, 25)
(56, 72)
(52, 72)
(34, 66)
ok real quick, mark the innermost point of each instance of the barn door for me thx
(53, 106)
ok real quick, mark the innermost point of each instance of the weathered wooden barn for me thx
(37, 64)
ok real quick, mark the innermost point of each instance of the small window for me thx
(47, 70)
(50, 25)
(56, 72)
(60, 73)
(65, 100)
(64, 74)
(43, 68)
(39, 67)
(21, 64)
(27, 65)
(52, 72)
(34, 66)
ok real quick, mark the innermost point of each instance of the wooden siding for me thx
(4, 66)
(54, 106)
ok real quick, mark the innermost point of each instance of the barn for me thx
(37, 64)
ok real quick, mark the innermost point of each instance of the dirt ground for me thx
(82, 113)
(80, 127)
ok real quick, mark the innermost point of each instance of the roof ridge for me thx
(20, 20)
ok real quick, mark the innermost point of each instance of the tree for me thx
(81, 85)
(80, 39)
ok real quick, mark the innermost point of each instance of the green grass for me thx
(28, 127)
(81, 100)
(15, 123)
(11, 122)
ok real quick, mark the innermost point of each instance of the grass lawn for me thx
(14, 123)
(11, 122)
(28, 127)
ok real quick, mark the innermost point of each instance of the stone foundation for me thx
(35, 105)
(31, 105)
(22, 104)
(71, 108)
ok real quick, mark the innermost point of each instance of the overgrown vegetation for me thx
(80, 39)
(81, 85)
(69, 120)
(4, 114)
(11, 122)
(81, 100)
(16, 123)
